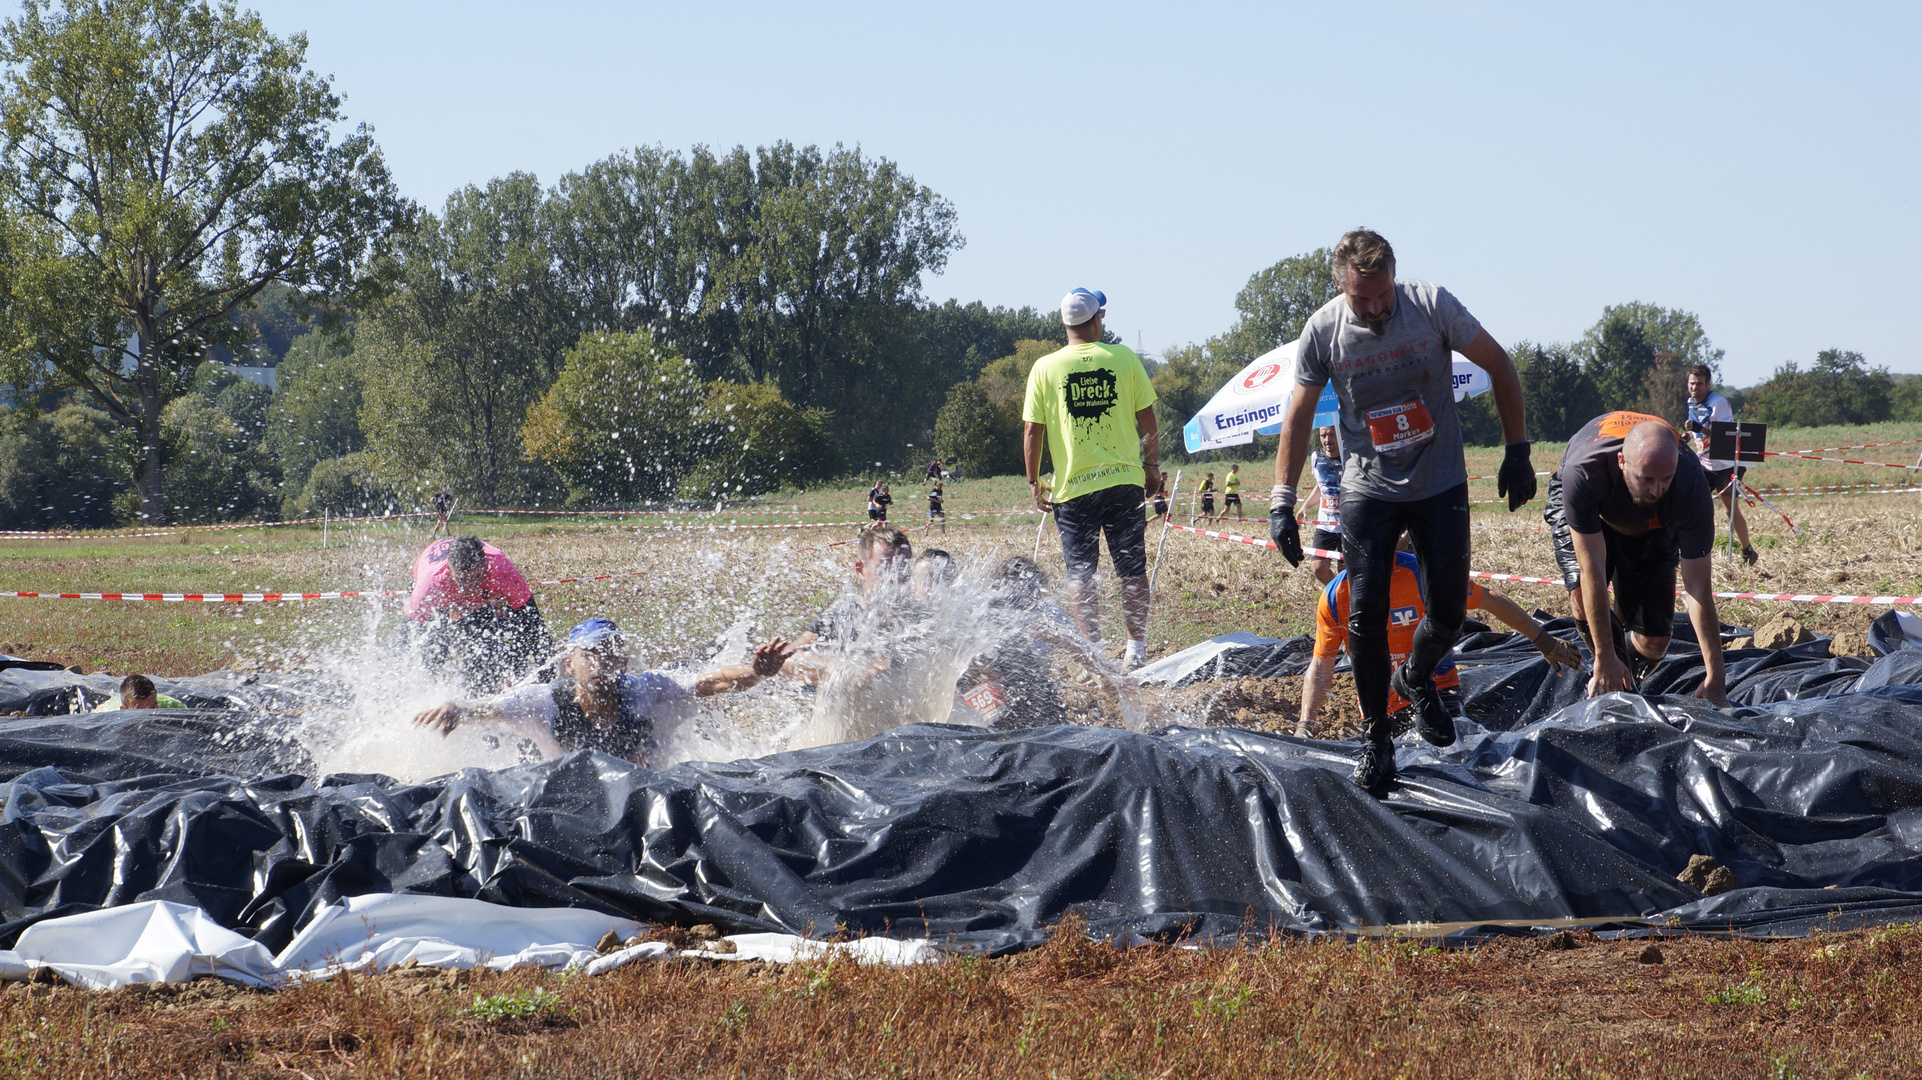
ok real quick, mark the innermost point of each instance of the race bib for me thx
(987, 698)
(1400, 427)
(1330, 509)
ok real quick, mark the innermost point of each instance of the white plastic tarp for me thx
(1172, 669)
(1253, 401)
(159, 941)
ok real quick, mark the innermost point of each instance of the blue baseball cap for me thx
(592, 632)
(1081, 305)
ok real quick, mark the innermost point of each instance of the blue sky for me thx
(1754, 163)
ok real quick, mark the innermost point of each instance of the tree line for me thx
(178, 191)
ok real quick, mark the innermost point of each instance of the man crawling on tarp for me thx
(472, 612)
(597, 704)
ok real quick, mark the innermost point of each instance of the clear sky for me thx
(1750, 162)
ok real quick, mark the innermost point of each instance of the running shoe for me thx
(1375, 768)
(1431, 713)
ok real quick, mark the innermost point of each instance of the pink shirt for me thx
(435, 591)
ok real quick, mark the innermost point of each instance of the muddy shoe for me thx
(1431, 713)
(1375, 768)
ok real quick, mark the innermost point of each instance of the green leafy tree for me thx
(315, 414)
(216, 473)
(749, 440)
(975, 434)
(474, 334)
(347, 486)
(1275, 305)
(1557, 394)
(62, 469)
(164, 161)
(621, 423)
(1839, 388)
(1618, 352)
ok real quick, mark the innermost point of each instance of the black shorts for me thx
(1114, 511)
(1326, 540)
(1230, 500)
(875, 513)
(934, 510)
(1207, 504)
(1641, 568)
(1718, 479)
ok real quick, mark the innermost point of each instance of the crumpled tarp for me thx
(981, 840)
(40, 688)
(156, 941)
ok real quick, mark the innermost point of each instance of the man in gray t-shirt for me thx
(1387, 346)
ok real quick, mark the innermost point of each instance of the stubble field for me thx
(1832, 1005)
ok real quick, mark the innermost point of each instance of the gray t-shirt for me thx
(1399, 433)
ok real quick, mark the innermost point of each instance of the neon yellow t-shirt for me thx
(1088, 396)
(1232, 486)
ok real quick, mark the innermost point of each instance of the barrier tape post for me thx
(1166, 520)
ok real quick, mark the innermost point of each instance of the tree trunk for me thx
(151, 482)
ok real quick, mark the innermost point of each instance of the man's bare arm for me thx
(1315, 684)
(1504, 382)
(1557, 652)
(1297, 426)
(1611, 671)
(1034, 438)
(1149, 429)
(1698, 596)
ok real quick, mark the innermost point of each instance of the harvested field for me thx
(1838, 1005)
(1841, 1005)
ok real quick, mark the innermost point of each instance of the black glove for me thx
(1690, 425)
(1517, 476)
(1282, 527)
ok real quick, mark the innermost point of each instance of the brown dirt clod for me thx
(1781, 632)
(610, 942)
(1650, 955)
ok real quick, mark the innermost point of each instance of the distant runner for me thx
(443, 506)
(1626, 506)
(1405, 599)
(1385, 345)
(472, 611)
(882, 500)
(1207, 495)
(1231, 493)
(596, 704)
(1326, 494)
(1706, 407)
(936, 496)
(1092, 407)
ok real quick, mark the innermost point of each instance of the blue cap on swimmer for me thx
(593, 632)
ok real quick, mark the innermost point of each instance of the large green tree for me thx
(620, 422)
(315, 415)
(1839, 388)
(1275, 305)
(1618, 352)
(474, 332)
(163, 162)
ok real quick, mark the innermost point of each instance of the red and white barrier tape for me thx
(1825, 598)
(1857, 446)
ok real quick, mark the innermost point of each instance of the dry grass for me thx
(1829, 1006)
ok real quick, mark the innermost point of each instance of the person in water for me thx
(597, 704)
(473, 613)
(883, 563)
(1013, 685)
(138, 692)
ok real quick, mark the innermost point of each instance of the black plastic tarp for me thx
(982, 839)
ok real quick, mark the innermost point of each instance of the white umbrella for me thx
(1253, 401)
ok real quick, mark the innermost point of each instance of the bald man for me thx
(1627, 506)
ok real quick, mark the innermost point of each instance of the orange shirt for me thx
(1405, 610)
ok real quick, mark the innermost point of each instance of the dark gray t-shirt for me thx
(1594, 493)
(1400, 437)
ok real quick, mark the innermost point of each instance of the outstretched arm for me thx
(1557, 652)
(767, 660)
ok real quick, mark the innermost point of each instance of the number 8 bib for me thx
(1400, 427)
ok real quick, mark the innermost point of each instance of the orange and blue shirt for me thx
(1405, 609)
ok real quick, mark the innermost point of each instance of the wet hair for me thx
(940, 565)
(1364, 251)
(1703, 371)
(880, 536)
(135, 687)
(1020, 576)
(466, 553)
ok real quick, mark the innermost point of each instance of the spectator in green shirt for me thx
(1091, 407)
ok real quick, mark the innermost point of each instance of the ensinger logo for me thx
(1462, 378)
(1258, 378)
(1256, 417)
(1403, 616)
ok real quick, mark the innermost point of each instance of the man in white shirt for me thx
(599, 705)
(1706, 407)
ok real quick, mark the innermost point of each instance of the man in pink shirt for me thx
(472, 612)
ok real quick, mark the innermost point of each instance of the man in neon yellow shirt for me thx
(1091, 407)
(1231, 493)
